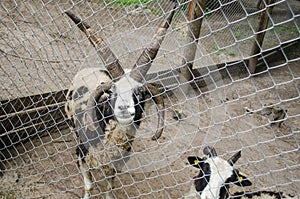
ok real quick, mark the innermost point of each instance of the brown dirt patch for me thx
(43, 51)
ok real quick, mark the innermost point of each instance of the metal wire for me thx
(227, 107)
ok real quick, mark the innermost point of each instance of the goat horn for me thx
(234, 158)
(90, 115)
(109, 59)
(158, 99)
(210, 151)
(145, 60)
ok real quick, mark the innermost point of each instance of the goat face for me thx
(126, 96)
(216, 174)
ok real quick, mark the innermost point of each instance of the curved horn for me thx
(210, 151)
(145, 60)
(109, 59)
(90, 115)
(158, 99)
(234, 158)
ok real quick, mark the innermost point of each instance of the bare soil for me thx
(42, 52)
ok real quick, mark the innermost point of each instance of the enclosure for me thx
(227, 101)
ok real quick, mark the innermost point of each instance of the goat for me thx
(107, 109)
(261, 195)
(215, 175)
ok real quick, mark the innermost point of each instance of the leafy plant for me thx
(207, 12)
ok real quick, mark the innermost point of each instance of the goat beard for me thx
(116, 146)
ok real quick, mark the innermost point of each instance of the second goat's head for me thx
(216, 174)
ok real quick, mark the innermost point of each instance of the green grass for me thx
(130, 2)
(232, 54)
(207, 12)
(156, 12)
(238, 35)
(137, 2)
(219, 51)
(287, 28)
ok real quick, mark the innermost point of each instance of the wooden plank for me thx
(29, 102)
(18, 135)
(9, 148)
(285, 51)
(29, 117)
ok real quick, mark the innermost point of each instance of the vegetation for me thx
(218, 51)
(238, 35)
(207, 12)
(130, 2)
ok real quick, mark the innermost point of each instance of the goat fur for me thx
(107, 106)
(215, 175)
(108, 146)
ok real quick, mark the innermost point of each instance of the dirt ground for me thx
(239, 115)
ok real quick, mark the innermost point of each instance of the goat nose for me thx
(124, 107)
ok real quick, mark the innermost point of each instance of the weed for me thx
(129, 2)
(207, 12)
(156, 12)
(238, 35)
(291, 29)
(232, 54)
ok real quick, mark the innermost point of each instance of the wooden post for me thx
(195, 16)
(263, 25)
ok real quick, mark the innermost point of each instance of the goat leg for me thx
(87, 178)
(110, 175)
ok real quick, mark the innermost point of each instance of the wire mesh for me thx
(224, 105)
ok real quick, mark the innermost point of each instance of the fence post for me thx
(195, 16)
(263, 25)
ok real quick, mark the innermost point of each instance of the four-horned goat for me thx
(107, 107)
(215, 175)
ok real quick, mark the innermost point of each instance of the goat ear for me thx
(196, 161)
(241, 179)
(210, 151)
(234, 158)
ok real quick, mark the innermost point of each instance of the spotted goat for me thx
(107, 107)
(215, 176)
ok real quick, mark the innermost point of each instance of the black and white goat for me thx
(262, 195)
(215, 175)
(107, 107)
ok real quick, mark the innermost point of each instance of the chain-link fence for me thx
(242, 94)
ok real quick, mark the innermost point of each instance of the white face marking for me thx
(221, 170)
(124, 106)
